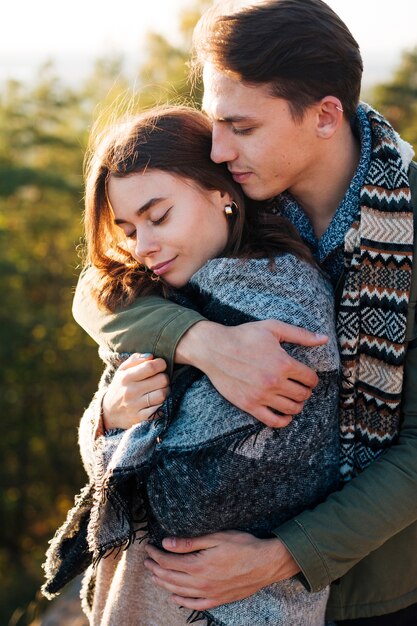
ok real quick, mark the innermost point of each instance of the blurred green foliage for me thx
(397, 98)
(48, 367)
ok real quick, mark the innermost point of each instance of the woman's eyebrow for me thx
(142, 209)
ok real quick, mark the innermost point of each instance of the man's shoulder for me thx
(412, 180)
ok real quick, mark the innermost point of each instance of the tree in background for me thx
(49, 367)
(397, 99)
(164, 74)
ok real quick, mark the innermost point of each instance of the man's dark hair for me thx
(301, 48)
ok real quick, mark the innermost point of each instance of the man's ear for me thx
(329, 116)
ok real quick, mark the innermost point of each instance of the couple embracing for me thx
(266, 461)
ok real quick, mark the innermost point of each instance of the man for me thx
(281, 85)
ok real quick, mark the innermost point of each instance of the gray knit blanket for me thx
(203, 465)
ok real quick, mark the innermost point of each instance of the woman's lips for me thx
(161, 268)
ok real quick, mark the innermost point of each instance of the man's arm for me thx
(151, 324)
(331, 539)
(249, 367)
(324, 543)
(230, 357)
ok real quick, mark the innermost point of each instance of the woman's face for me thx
(171, 225)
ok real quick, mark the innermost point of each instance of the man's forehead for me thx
(227, 98)
(217, 89)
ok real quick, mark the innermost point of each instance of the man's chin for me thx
(255, 194)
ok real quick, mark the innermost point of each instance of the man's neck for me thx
(330, 177)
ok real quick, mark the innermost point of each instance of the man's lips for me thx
(161, 268)
(240, 177)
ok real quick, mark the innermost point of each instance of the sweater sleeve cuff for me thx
(314, 572)
(172, 332)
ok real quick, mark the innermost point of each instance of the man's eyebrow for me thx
(142, 209)
(237, 118)
(231, 118)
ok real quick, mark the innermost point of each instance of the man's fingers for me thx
(169, 561)
(296, 392)
(271, 419)
(285, 406)
(198, 604)
(183, 545)
(177, 589)
(302, 374)
(294, 334)
(179, 582)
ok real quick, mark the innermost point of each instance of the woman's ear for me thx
(225, 199)
(225, 195)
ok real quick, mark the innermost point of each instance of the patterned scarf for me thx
(373, 308)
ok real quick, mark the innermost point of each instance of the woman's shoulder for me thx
(285, 271)
(289, 290)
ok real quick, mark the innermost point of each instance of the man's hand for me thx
(248, 366)
(219, 568)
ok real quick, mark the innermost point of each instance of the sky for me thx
(74, 33)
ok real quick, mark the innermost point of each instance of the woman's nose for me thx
(145, 246)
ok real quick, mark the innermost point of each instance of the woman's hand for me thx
(138, 389)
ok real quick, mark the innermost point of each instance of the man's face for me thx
(266, 150)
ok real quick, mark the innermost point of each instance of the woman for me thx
(161, 217)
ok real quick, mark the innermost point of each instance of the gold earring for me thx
(231, 208)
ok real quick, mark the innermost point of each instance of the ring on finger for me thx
(148, 400)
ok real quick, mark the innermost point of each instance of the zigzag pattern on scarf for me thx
(373, 309)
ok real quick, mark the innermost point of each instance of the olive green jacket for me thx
(362, 539)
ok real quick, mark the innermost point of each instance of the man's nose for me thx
(222, 149)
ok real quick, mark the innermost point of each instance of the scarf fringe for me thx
(199, 616)
(106, 552)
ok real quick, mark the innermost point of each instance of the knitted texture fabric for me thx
(204, 466)
(373, 308)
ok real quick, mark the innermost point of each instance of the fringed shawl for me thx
(203, 465)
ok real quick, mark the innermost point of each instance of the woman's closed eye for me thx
(154, 220)
(158, 219)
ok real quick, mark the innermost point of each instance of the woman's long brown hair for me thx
(176, 140)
